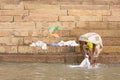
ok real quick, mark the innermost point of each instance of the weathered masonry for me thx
(25, 21)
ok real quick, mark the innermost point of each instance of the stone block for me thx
(6, 33)
(71, 58)
(14, 12)
(90, 18)
(55, 59)
(11, 41)
(115, 12)
(68, 25)
(19, 6)
(2, 49)
(48, 12)
(111, 59)
(66, 18)
(88, 12)
(111, 18)
(98, 25)
(103, 33)
(32, 6)
(36, 18)
(111, 41)
(81, 25)
(85, 7)
(29, 40)
(113, 25)
(10, 1)
(6, 18)
(111, 49)
(63, 33)
(114, 7)
(39, 2)
(21, 33)
(17, 25)
(23, 58)
(11, 49)
(26, 50)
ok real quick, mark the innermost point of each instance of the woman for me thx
(91, 45)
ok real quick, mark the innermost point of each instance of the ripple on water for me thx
(42, 71)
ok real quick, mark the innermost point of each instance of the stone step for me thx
(66, 21)
(71, 58)
(49, 50)
(52, 50)
(47, 40)
(62, 33)
(78, 32)
(106, 49)
(35, 50)
(17, 41)
(111, 41)
(106, 41)
(35, 35)
(70, 2)
(98, 25)
(112, 59)
(103, 33)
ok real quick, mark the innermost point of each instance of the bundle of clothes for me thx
(43, 45)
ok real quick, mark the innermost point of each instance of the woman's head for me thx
(89, 45)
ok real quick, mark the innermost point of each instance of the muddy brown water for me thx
(44, 71)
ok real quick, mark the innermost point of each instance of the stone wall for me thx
(25, 21)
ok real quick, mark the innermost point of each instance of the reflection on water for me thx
(41, 71)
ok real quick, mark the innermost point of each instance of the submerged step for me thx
(52, 50)
(71, 58)
(66, 58)
(35, 50)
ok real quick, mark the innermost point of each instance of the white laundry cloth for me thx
(39, 43)
(61, 43)
(68, 43)
(84, 64)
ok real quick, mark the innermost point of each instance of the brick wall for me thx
(25, 21)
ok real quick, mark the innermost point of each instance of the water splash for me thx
(85, 64)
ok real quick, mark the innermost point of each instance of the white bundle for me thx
(39, 43)
(68, 43)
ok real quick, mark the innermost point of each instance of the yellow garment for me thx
(89, 45)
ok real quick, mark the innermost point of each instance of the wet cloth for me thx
(67, 43)
(84, 64)
(39, 43)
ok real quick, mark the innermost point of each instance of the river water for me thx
(43, 71)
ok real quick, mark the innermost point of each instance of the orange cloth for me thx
(55, 35)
